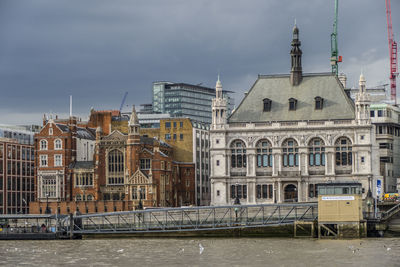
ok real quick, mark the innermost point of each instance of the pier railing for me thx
(190, 218)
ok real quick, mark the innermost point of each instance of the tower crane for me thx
(392, 53)
(335, 58)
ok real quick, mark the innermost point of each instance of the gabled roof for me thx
(277, 88)
(116, 135)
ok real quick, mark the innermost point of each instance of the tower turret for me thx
(296, 73)
(362, 103)
(219, 107)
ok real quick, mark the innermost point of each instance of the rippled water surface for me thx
(217, 252)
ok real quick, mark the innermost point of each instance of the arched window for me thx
(78, 197)
(290, 153)
(43, 144)
(316, 150)
(115, 167)
(89, 197)
(343, 152)
(264, 154)
(57, 144)
(267, 104)
(238, 157)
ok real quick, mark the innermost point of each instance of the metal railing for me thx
(191, 219)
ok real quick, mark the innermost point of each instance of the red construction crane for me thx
(392, 53)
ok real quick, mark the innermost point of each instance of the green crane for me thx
(335, 58)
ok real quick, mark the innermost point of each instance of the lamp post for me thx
(47, 204)
(237, 202)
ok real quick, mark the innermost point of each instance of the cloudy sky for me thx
(96, 50)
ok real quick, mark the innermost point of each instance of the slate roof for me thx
(84, 133)
(63, 127)
(336, 105)
(81, 165)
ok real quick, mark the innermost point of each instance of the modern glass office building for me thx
(186, 100)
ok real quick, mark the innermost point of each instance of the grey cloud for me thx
(98, 49)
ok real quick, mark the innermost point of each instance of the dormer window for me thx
(267, 104)
(319, 102)
(292, 103)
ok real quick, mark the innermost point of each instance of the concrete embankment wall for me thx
(270, 231)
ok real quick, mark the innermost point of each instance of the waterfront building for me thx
(121, 171)
(289, 133)
(186, 100)
(57, 146)
(190, 142)
(386, 118)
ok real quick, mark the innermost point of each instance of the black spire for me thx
(295, 53)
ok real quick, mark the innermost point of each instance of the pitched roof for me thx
(81, 165)
(84, 133)
(277, 88)
(63, 127)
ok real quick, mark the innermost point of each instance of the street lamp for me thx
(140, 206)
(47, 204)
(237, 202)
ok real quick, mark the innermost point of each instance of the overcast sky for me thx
(98, 49)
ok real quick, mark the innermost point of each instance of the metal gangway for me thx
(189, 219)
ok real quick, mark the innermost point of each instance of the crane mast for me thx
(392, 53)
(335, 58)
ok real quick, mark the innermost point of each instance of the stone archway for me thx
(290, 193)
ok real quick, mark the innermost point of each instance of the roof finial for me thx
(295, 22)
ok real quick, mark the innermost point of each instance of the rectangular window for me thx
(372, 113)
(168, 124)
(174, 124)
(43, 160)
(145, 164)
(167, 136)
(265, 191)
(233, 191)
(181, 136)
(258, 191)
(174, 136)
(181, 124)
(57, 160)
(380, 113)
(217, 162)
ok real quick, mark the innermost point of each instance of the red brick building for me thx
(125, 169)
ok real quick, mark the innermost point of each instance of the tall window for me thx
(57, 160)
(316, 151)
(57, 144)
(264, 191)
(43, 160)
(115, 167)
(43, 144)
(48, 186)
(264, 154)
(238, 157)
(343, 152)
(134, 192)
(290, 153)
(267, 104)
(239, 190)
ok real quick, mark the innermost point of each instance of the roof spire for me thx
(218, 88)
(134, 119)
(296, 73)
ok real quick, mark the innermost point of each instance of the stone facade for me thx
(285, 137)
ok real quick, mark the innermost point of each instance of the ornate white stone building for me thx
(289, 133)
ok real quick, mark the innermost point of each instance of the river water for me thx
(382, 252)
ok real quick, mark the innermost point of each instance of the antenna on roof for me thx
(70, 105)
